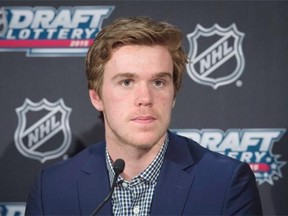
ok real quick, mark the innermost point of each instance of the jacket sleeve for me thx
(34, 201)
(242, 195)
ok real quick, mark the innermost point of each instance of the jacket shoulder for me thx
(199, 152)
(75, 163)
(208, 162)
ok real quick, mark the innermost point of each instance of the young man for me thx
(134, 70)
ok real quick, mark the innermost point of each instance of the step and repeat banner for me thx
(234, 98)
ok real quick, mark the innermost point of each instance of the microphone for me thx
(118, 168)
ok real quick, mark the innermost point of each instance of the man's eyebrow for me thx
(163, 74)
(124, 75)
(128, 75)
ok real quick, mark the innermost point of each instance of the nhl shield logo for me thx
(215, 56)
(43, 132)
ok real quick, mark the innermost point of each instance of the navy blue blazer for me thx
(192, 181)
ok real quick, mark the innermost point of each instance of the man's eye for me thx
(159, 83)
(127, 82)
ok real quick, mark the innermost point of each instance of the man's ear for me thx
(96, 100)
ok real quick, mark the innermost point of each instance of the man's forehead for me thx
(144, 61)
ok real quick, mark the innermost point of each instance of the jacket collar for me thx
(175, 180)
(93, 182)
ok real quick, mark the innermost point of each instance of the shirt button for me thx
(124, 184)
(136, 210)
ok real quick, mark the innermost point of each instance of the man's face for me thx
(137, 95)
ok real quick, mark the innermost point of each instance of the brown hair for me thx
(134, 31)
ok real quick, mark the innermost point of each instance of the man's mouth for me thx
(144, 119)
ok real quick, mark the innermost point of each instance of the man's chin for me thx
(147, 142)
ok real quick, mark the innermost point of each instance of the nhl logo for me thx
(43, 131)
(215, 55)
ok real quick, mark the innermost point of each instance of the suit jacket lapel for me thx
(174, 182)
(93, 182)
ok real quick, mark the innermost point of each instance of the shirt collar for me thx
(150, 174)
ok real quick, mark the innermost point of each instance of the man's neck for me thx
(136, 159)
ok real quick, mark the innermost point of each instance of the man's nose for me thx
(144, 95)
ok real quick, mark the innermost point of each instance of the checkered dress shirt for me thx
(135, 197)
